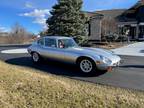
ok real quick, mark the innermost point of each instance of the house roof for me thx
(118, 14)
(111, 13)
(93, 15)
(134, 8)
(131, 13)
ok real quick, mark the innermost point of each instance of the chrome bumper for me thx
(107, 66)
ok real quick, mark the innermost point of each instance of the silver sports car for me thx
(65, 49)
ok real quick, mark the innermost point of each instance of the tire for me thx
(36, 57)
(87, 66)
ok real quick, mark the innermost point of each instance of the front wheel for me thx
(87, 66)
(35, 57)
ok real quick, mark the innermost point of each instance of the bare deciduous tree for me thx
(18, 34)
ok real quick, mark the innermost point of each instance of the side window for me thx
(40, 42)
(50, 42)
(61, 44)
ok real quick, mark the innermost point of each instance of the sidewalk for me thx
(15, 51)
(136, 49)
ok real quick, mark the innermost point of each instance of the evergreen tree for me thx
(67, 19)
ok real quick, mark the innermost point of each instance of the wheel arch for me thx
(34, 52)
(83, 57)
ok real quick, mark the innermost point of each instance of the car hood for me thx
(97, 51)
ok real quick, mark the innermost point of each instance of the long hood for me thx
(92, 51)
(96, 51)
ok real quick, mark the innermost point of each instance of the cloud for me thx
(37, 13)
(29, 5)
(39, 16)
(3, 29)
(41, 21)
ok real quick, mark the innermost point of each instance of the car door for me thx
(51, 50)
(68, 55)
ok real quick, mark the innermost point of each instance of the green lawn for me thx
(26, 88)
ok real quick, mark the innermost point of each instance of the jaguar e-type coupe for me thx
(66, 50)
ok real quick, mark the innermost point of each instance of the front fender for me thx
(94, 58)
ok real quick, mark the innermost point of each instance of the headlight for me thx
(105, 60)
(109, 51)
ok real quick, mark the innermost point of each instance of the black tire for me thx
(90, 66)
(36, 57)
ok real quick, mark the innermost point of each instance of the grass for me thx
(27, 88)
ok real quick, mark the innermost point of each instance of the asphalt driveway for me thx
(129, 75)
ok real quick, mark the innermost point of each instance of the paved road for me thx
(129, 75)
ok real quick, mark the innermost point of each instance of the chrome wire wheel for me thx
(86, 66)
(35, 57)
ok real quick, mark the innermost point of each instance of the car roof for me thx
(58, 37)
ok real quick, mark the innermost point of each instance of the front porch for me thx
(134, 30)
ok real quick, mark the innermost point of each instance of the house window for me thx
(141, 33)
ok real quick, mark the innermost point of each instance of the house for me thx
(121, 21)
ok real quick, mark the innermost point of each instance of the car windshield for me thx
(66, 43)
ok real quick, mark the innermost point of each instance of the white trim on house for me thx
(142, 23)
(134, 25)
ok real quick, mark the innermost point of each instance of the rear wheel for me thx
(36, 57)
(87, 66)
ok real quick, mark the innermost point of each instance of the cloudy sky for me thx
(32, 14)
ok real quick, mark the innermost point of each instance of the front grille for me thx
(116, 64)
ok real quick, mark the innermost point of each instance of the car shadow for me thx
(52, 67)
(132, 66)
